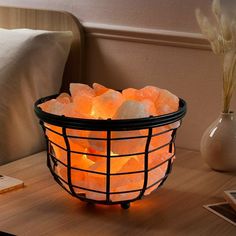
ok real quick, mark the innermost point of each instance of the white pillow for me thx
(31, 66)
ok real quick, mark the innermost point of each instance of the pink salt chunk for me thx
(64, 98)
(126, 196)
(166, 102)
(77, 143)
(149, 92)
(78, 89)
(162, 138)
(132, 109)
(116, 163)
(105, 105)
(71, 110)
(95, 182)
(53, 106)
(129, 109)
(154, 176)
(99, 89)
(131, 165)
(150, 106)
(126, 145)
(83, 104)
(158, 157)
(97, 144)
(130, 94)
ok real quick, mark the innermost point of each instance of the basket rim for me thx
(108, 124)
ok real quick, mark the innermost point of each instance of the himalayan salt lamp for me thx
(103, 103)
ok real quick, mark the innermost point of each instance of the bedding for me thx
(31, 66)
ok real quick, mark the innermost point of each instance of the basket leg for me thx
(125, 205)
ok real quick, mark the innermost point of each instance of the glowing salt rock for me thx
(78, 177)
(64, 98)
(163, 138)
(159, 158)
(126, 196)
(72, 110)
(160, 136)
(149, 92)
(93, 154)
(126, 145)
(132, 109)
(150, 106)
(99, 89)
(58, 153)
(83, 104)
(79, 161)
(78, 139)
(131, 165)
(96, 144)
(53, 106)
(105, 105)
(95, 182)
(116, 163)
(174, 125)
(154, 176)
(126, 182)
(166, 102)
(129, 109)
(78, 89)
(55, 137)
(130, 94)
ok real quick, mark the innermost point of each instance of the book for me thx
(223, 210)
(230, 197)
(8, 183)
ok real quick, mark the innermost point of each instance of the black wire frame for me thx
(108, 126)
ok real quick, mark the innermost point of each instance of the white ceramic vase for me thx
(218, 144)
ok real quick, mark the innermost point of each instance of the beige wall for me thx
(138, 53)
(165, 14)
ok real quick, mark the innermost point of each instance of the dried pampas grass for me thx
(222, 37)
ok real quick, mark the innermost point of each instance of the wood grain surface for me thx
(43, 208)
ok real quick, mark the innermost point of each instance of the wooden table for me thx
(43, 208)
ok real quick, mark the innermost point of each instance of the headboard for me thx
(54, 21)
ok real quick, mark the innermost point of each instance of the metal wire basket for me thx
(155, 152)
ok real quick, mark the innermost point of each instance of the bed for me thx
(36, 59)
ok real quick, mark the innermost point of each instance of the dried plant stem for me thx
(229, 84)
(222, 37)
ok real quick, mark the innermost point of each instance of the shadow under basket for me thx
(110, 161)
